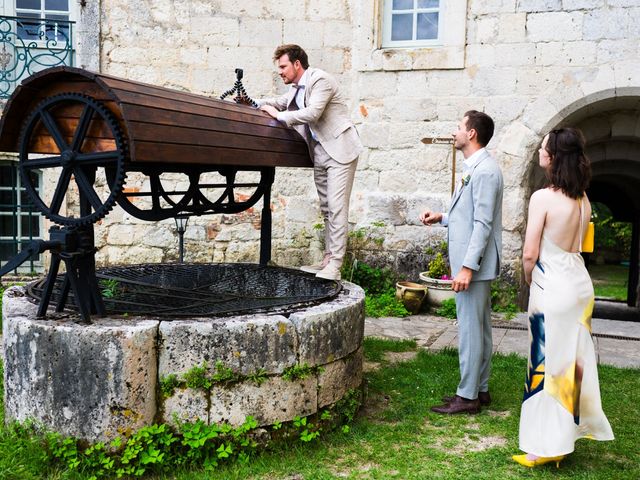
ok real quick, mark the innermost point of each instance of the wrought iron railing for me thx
(28, 45)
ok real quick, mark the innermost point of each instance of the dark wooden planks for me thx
(199, 155)
(153, 115)
(161, 125)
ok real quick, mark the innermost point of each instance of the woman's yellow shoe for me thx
(523, 460)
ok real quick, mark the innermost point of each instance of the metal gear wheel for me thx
(80, 158)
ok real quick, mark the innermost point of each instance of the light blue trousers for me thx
(475, 344)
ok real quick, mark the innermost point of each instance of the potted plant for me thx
(438, 277)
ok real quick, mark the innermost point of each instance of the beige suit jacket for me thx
(325, 113)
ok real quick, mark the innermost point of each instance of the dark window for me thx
(20, 222)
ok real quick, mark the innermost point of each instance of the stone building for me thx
(411, 69)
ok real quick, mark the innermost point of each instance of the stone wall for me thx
(528, 63)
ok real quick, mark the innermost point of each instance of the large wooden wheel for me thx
(78, 135)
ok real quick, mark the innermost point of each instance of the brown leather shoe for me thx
(458, 405)
(484, 397)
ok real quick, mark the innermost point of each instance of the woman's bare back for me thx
(562, 220)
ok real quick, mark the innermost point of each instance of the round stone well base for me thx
(100, 381)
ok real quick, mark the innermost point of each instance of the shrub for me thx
(384, 305)
(447, 309)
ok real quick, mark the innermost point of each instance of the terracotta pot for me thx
(411, 295)
(438, 290)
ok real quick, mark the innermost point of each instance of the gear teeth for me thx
(115, 180)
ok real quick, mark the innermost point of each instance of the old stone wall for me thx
(528, 63)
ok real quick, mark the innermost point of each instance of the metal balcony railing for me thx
(28, 45)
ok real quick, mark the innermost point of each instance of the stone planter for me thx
(438, 290)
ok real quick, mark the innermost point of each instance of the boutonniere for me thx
(466, 178)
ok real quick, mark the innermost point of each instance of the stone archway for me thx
(610, 120)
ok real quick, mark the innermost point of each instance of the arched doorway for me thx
(612, 130)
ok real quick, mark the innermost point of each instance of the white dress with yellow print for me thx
(562, 394)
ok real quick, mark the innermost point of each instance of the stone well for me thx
(99, 381)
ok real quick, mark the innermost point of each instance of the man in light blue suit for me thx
(474, 226)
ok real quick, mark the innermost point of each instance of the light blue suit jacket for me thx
(475, 221)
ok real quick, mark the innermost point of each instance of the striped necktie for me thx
(294, 104)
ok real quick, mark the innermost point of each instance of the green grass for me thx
(397, 437)
(610, 281)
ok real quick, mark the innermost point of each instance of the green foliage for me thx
(438, 263)
(438, 267)
(109, 287)
(197, 377)
(308, 430)
(447, 309)
(365, 238)
(157, 449)
(610, 281)
(168, 384)
(223, 374)
(609, 233)
(373, 280)
(504, 298)
(258, 377)
(384, 305)
(297, 372)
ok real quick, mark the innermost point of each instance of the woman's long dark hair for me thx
(570, 169)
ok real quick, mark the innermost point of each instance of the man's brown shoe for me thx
(484, 397)
(458, 405)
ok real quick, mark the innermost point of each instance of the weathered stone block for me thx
(93, 382)
(339, 377)
(377, 84)
(550, 26)
(389, 209)
(186, 405)
(610, 23)
(275, 400)
(244, 344)
(539, 5)
(331, 330)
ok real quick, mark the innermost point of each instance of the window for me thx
(36, 34)
(411, 35)
(20, 222)
(411, 23)
(56, 12)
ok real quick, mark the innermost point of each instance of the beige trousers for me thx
(334, 181)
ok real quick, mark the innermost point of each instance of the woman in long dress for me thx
(562, 394)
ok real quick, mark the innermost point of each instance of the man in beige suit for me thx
(316, 108)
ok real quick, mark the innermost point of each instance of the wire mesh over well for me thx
(193, 290)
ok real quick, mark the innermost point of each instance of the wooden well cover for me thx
(158, 124)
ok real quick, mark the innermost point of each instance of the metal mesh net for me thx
(189, 290)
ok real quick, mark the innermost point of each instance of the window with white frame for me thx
(20, 221)
(411, 23)
(55, 12)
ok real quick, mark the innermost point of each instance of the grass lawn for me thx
(396, 436)
(610, 281)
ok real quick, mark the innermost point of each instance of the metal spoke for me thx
(156, 188)
(61, 190)
(81, 130)
(98, 158)
(44, 162)
(86, 188)
(51, 125)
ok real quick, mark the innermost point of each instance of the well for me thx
(103, 380)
